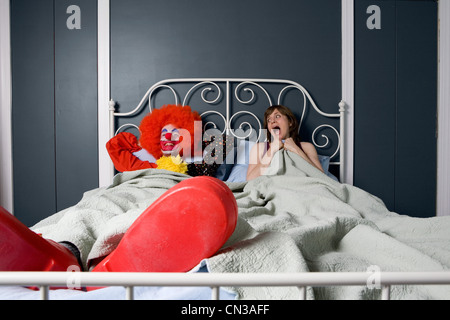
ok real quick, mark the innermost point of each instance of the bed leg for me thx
(130, 293)
(386, 293)
(44, 293)
(215, 294)
(302, 293)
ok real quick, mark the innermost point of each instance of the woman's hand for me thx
(307, 152)
(275, 146)
(290, 145)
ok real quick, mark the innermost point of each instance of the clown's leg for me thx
(188, 223)
(23, 250)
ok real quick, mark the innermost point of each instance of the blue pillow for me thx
(224, 170)
(324, 162)
(239, 171)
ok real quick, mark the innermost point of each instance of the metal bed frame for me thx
(373, 278)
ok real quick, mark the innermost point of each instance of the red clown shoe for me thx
(188, 223)
(23, 250)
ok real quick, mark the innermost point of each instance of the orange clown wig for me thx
(151, 125)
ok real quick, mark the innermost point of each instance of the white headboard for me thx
(233, 98)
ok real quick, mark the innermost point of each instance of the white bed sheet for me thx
(117, 293)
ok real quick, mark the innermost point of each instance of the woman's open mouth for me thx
(276, 130)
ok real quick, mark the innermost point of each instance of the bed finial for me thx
(112, 110)
(112, 104)
(342, 105)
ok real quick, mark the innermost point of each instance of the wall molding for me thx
(443, 165)
(6, 172)
(348, 87)
(104, 92)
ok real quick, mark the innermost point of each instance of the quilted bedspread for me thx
(292, 219)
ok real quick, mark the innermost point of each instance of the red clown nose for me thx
(168, 136)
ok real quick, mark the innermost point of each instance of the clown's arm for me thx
(126, 154)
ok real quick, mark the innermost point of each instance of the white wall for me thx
(348, 87)
(106, 168)
(443, 174)
(6, 196)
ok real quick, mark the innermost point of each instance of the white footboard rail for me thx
(381, 280)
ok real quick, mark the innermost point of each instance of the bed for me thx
(301, 233)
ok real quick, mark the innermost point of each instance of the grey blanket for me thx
(98, 222)
(293, 219)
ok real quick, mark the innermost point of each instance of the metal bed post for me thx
(45, 293)
(112, 109)
(215, 293)
(342, 140)
(129, 293)
(228, 106)
(386, 292)
(302, 293)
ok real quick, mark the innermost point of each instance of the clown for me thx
(165, 133)
(168, 141)
(171, 139)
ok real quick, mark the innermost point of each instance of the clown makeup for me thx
(170, 139)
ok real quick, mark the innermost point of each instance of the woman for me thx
(282, 132)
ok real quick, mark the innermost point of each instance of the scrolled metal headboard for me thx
(246, 93)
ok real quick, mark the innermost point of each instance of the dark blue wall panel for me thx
(375, 102)
(290, 39)
(416, 152)
(33, 120)
(54, 71)
(75, 102)
(395, 104)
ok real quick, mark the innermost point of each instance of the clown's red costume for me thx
(173, 234)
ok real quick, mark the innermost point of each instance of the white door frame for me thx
(348, 67)
(6, 179)
(443, 163)
(106, 167)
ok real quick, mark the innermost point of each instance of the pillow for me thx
(223, 172)
(243, 151)
(239, 171)
(324, 162)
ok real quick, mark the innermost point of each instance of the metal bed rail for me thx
(382, 280)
